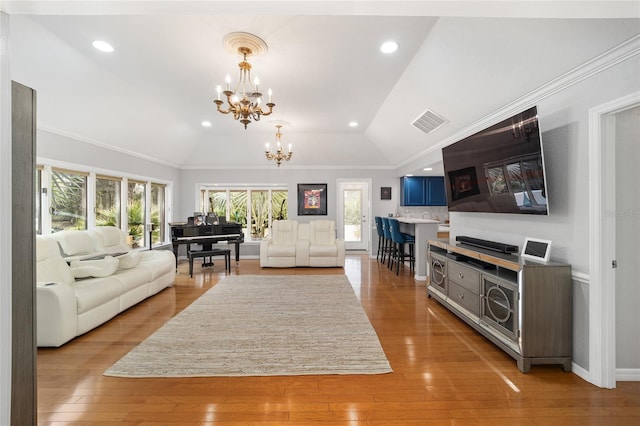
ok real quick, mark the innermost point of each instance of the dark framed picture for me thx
(464, 183)
(385, 193)
(312, 199)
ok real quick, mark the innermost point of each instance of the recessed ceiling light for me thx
(353, 124)
(389, 47)
(206, 123)
(428, 169)
(103, 46)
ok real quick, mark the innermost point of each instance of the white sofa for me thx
(85, 278)
(294, 244)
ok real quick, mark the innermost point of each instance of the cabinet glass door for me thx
(438, 274)
(499, 306)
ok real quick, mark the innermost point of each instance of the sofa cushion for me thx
(284, 232)
(129, 260)
(74, 242)
(50, 266)
(282, 251)
(322, 232)
(109, 239)
(94, 268)
(133, 278)
(95, 292)
(158, 262)
(323, 251)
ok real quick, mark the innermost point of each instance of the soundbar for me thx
(489, 245)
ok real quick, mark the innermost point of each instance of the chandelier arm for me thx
(245, 101)
(219, 104)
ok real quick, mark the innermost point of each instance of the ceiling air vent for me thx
(429, 121)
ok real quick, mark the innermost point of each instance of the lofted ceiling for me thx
(150, 95)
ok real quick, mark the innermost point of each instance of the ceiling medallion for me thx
(246, 99)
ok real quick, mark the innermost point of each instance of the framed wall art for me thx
(312, 199)
(385, 193)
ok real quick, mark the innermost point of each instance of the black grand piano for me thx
(207, 235)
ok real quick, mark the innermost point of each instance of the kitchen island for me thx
(423, 230)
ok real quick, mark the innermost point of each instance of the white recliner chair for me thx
(324, 248)
(302, 244)
(279, 251)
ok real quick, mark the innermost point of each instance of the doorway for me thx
(353, 213)
(627, 246)
(614, 330)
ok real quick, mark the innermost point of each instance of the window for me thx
(157, 212)
(256, 206)
(217, 203)
(259, 213)
(68, 200)
(108, 195)
(135, 213)
(238, 208)
(352, 214)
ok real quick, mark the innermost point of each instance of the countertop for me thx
(416, 220)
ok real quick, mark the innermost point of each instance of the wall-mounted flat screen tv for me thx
(499, 169)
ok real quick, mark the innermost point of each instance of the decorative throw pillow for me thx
(129, 260)
(94, 268)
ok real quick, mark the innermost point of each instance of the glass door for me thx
(353, 221)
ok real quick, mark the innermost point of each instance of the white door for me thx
(353, 214)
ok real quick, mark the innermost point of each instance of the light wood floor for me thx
(444, 372)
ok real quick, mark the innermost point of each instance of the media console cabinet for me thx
(523, 307)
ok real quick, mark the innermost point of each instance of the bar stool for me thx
(381, 241)
(399, 240)
(387, 243)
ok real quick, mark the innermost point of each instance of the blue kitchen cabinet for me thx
(422, 191)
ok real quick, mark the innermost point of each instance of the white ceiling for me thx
(323, 64)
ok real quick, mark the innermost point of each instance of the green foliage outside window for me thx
(260, 206)
(68, 201)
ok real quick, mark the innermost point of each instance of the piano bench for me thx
(210, 253)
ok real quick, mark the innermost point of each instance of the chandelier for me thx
(245, 100)
(279, 156)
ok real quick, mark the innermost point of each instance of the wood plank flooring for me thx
(444, 372)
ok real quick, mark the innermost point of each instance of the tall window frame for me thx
(108, 201)
(69, 199)
(137, 216)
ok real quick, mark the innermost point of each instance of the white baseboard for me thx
(622, 374)
(580, 372)
(628, 374)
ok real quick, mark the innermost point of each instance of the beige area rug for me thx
(256, 325)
